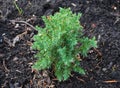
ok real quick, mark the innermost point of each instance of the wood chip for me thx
(111, 81)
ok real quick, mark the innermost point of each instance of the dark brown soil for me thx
(100, 18)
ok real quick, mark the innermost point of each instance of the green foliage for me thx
(57, 42)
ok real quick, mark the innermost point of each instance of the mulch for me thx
(100, 18)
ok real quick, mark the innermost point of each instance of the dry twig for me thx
(6, 69)
(24, 22)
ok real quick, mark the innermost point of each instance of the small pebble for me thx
(17, 25)
(110, 65)
(15, 58)
(1, 39)
(104, 69)
(99, 36)
(73, 4)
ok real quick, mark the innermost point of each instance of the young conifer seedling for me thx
(57, 44)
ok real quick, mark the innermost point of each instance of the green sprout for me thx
(18, 8)
(57, 44)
